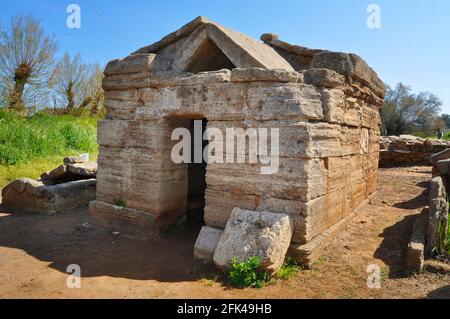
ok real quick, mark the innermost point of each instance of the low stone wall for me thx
(409, 150)
(66, 187)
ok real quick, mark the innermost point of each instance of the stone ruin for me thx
(325, 104)
(406, 150)
(66, 187)
(430, 233)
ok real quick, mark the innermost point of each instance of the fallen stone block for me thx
(33, 196)
(206, 243)
(248, 234)
(70, 172)
(73, 160)
(415, 254)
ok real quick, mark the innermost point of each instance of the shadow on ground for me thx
(392, 249)
(62, 240)
(418, 201)
(441, 293)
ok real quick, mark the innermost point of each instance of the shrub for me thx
(247, 273)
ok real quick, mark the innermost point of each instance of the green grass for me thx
(177, 227)
(31, 145)
(289, 269)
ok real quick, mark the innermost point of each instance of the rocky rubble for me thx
(409, 150)
(66, 187)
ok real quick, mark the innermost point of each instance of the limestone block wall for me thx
(329, 144)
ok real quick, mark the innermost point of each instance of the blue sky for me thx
(412, 46)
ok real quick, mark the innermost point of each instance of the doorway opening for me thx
(196, 181)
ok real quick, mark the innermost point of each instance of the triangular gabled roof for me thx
(176, 51)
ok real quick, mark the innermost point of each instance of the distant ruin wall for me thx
(409, 150)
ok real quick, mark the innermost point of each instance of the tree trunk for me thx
(70, 98)
(21, 75)
(17, 95)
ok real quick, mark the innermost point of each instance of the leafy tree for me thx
(405, 112)
(26, 58)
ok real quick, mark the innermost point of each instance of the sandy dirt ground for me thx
(35, 251)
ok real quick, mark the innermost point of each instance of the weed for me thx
(289, 269)
(177, 227)
(247, 273)
(120, 202)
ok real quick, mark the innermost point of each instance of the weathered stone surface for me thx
(247, 234)
(415, 254)
(131, 64)
(260, 74)
(73, 160)
(443, 155)
(350, 65)
(443, 166)
(411, 150)
(323, 77)
(71, 172)
(34, 196)
(206, 243)
(437, 216)
(267, 37)
(83, 169)
(129, 222)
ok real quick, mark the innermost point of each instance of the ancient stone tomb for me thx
(324, 104)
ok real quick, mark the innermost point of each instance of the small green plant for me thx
(247, 273)
(120, 202)
(289, 269)
(177, 227)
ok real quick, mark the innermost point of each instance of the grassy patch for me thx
(210, 280)
(177, 227)
(247, 274)
(23, 139)
(31, 145)
(289, 269)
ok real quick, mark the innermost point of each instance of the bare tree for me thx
(94, 95)
(405, 112)
(95, 84)
(70, 81)
(26, 57)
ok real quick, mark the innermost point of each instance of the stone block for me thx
(248, 234)
(206, 243)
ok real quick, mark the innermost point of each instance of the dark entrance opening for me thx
(196, 181)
